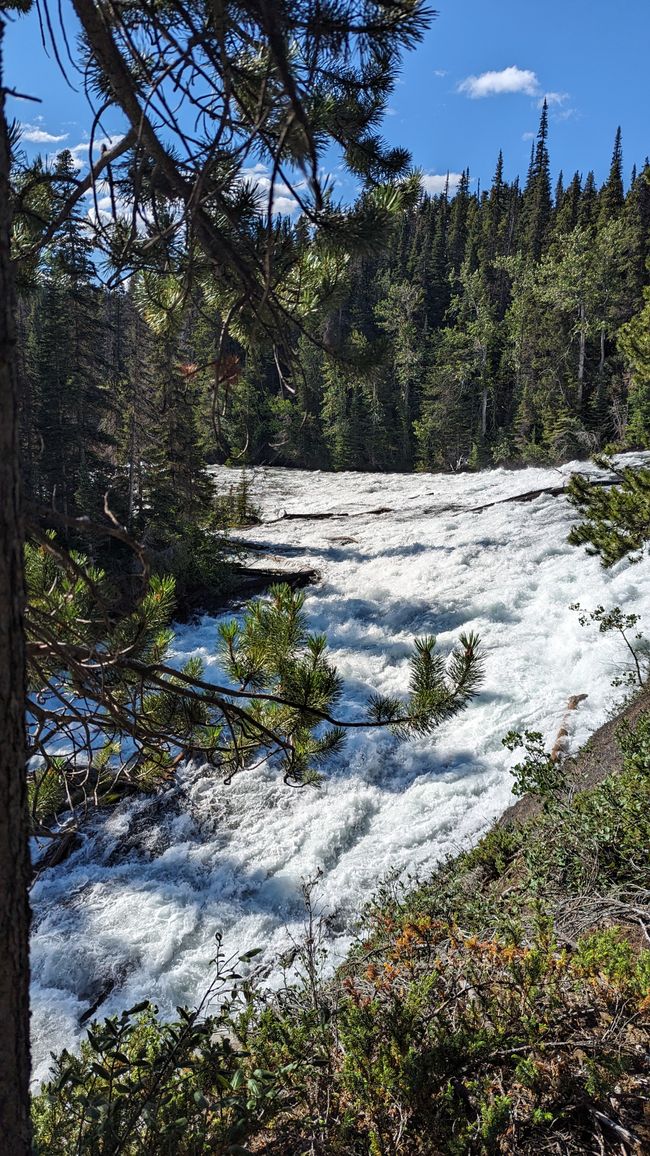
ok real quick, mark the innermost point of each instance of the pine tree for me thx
(537, 204)
(400, 315)
(588, 202)
(612, 194)
(343, 417)
(616, 521)
(559, 191)
(634, 344)
(440, 293)
(567, 208)
(458, 223)
(494, 215)
(15, 869)
(637, 218)
(418, 268)
(69, 402)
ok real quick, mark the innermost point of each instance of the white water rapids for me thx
(137, 906)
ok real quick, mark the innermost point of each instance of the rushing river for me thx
(136, 908)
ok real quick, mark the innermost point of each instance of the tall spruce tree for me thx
(401, 317)
(537, 203)
(612, 195)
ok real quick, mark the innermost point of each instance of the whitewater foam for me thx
(136, 908)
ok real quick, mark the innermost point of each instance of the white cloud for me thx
(282, 200)
(566, 114)
(37, 135)
(103, 206)
(528, 135)
(556, 102)
(284, 205)
(81, 151)
(508, 80)
(433, 183)
(552, 98)
(440, 72)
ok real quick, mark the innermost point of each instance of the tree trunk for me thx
(484, 393)
(14, 847)
(581, 355)
(26, 402)
(601, 369)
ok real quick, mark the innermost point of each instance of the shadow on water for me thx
(344, 552)
(346, 619)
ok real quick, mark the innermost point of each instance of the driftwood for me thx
(255, 580)
(324, 515)
(622, 1135)
(248, 581)
(59, 849)
(101, 998)
(530, 495)
(562, 734)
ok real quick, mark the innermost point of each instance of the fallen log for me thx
(560, 742)
(245, 582)
(530, 495)
(254, 580)
(101, 998)
(60, 848)
(325, 514)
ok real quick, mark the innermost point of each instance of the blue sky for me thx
(472, 87)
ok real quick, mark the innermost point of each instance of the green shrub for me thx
(143, 1087)
(635, 745)
(611, 953)
(539, 774)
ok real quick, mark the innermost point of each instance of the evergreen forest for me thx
(489, 327)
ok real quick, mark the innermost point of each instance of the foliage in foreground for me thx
(140, 1085)
(501, 1007)
(616, 521)
(108, 709)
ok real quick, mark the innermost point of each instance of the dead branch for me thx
(531, 495)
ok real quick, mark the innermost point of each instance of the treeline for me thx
(501, 317)
(493, 327)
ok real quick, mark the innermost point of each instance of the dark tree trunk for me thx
(14, 848)
(582, 355)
